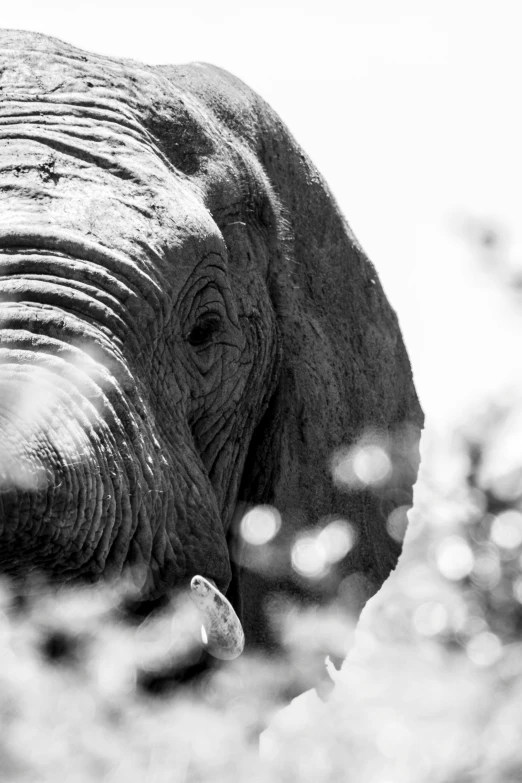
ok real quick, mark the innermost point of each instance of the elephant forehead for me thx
(43, 79)
(127, 118)
(160, 225)
(117, 152)
(33, 168)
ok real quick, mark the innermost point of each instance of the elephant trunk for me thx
(62, 480)
(88, 486)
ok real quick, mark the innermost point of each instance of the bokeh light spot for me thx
(508, 486)
(430, 618)
(454, 558)
(260, 525)
(506, 529)
(397, 523)
(484, 649)
(309, 558)
(367, 463)
(486, 569)
(371, 464)
(342, 468)
(336, 540)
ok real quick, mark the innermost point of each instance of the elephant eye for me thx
(205, 329)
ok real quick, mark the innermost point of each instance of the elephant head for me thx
(188, 328)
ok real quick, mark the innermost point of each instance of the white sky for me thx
(409, 108)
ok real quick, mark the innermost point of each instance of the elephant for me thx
(189, 330)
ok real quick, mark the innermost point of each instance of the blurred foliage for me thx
(430, 692)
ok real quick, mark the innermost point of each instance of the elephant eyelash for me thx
(205, 329)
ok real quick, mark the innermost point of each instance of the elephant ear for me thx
(339, 440)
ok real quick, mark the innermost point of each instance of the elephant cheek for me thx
(195, 536)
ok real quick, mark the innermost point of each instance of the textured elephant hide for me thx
(188, 328)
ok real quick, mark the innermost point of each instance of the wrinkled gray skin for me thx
(188, 327)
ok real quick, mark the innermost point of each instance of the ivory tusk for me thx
(221, 631)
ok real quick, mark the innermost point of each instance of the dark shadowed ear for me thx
(340, 438)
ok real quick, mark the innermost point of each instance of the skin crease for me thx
(187, 328)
